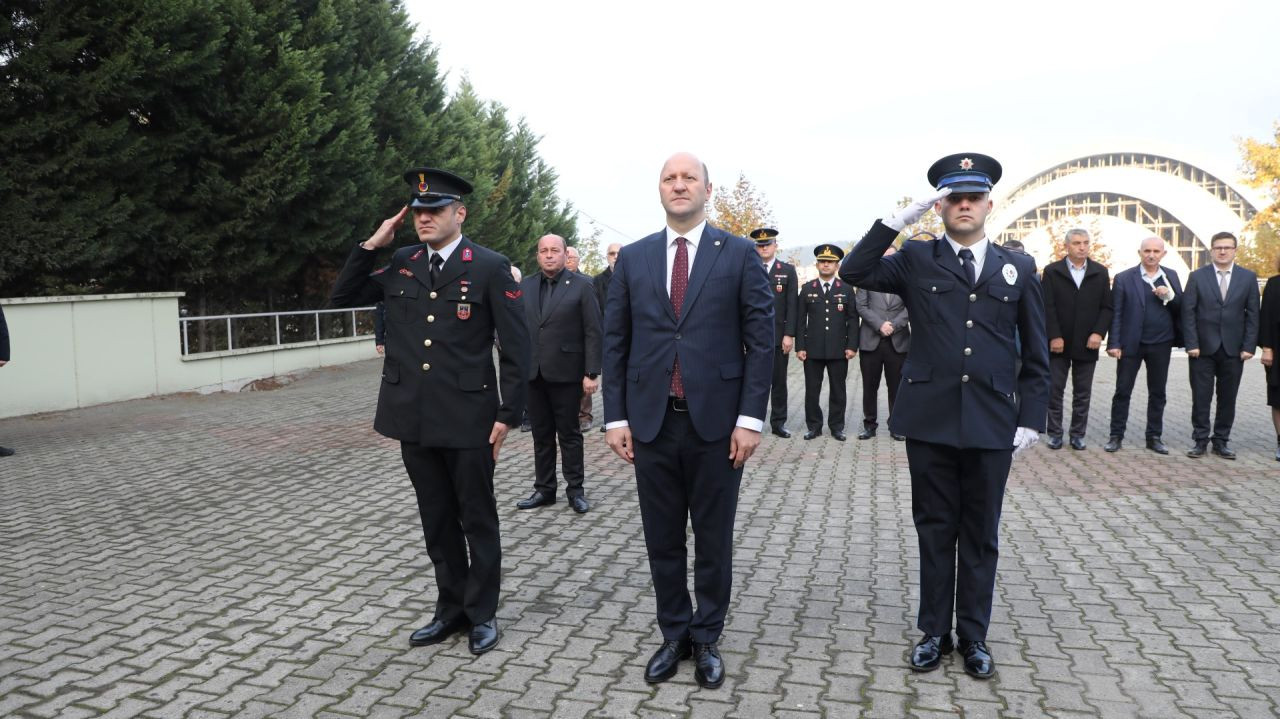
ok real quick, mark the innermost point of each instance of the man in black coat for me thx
(4, 360)
(1220, 326)
(964, 406)
(884, 338)
(445, 300)
(563, 315)
(826, 339)
(1077, 308)
(786, 318)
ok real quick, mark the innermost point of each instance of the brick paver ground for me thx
(259, 554)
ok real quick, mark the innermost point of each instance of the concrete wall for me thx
(78, 351)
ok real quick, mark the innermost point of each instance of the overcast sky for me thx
(834, 113)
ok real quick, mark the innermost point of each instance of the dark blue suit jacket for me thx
(960, 384)
(1209, 323)
(1129, 296)
(724, 336)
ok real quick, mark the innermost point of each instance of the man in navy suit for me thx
(1144, 329)
(963, 405)
(688, 355)
(1220, 326)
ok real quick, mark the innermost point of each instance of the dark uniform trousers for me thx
(679, 477)
(884, 358)
(1225, 370)
(837, 371)
(553, 414)
(1156, 357)
(956, 496)
(1081, 371)
(778, 390)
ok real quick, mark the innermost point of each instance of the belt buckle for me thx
(680, 404)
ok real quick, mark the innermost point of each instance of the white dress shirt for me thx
(979, 250)
(1077, 273)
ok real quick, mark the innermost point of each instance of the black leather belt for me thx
(679, 404)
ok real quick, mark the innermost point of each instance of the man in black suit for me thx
(786, 318)
(826, 339)
(1077, 308)
(601, 281)
(1220, 326)
(963, 406)
(572, 260)
(4, 360)
(1144, 330)
(884, 338)
(445, 300)
(564, 327)
(688, 349)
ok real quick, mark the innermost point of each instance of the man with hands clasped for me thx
(963, 406)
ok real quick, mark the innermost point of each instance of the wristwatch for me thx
(593, 375)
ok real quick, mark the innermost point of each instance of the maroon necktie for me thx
(679, 282)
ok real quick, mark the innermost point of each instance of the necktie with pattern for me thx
(679, 283)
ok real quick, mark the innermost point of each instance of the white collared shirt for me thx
(979, 250)
(693, 236)
(1142, 272)
(1217, 277)
(1077, 273)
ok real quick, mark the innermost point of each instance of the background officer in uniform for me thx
(963, 406)
(826, 339)
(783, 284)
(440, 395)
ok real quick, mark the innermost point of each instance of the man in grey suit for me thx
(884, 340)
(1220, 326)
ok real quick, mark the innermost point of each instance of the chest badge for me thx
(464, 310)
(1010, 273)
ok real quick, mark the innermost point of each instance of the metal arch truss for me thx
(1159, 221)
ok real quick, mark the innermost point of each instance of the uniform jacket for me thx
(828, 321)
(960, 383)
(876, 308)
(565, 337)
(1075, 313)
(439, 386)
(786, 311)
(1208, 322)
(4, 337)
(724, 336)
(1128, 296)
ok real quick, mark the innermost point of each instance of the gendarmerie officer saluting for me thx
(827, 338)
(440, 396)
(962, 405)
(786, 318)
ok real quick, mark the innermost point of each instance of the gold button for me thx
(425, 367)
(431, 318)
(973, 298)
(968, 323)
(426, 343)
(964, 378)
(433, 295)
(968, 351)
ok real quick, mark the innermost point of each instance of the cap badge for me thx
(422, 182)
(966, 164)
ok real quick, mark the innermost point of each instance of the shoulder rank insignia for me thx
(417, 255)
(466, 254)
(379, 271)
(513, 295)
(405, 272)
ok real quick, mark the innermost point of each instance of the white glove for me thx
(914, 211)
(1024, 438)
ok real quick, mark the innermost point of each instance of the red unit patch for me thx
(466, 254)
(405, 272)
(513, 295)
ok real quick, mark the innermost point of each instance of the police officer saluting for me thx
(439, 396)
(825, 341)
(962, 405)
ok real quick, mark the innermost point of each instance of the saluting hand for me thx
(386, 232)
(496, 437)
(912, 213)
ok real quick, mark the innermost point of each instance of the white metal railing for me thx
(275, 316)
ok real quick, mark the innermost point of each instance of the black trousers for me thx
(1156, 358)
(553, 414)
(459, 518)
(883, 359)
(682, 478)
(837, 370)
(956, 496)
(1081, 391)
(1225, 370)
(778, 390)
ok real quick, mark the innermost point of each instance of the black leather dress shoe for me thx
(1223, 451)
(1077, 443)
(484, 636)
(1113, 444)
(526, 427)
(839, 435)
(781, 432)
(1155, 444)
(537, 499)
(579, 504)
(926, 655)
(977, 659)
(899, 437)
(437, 631)
(710, 667)
(662, 665)
(6, 452)
(1198, 450)
(812, 433)
(1053, 443)
(867, 432)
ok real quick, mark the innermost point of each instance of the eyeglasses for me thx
(1223, 248)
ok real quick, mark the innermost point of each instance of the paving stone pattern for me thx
(259, 554)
